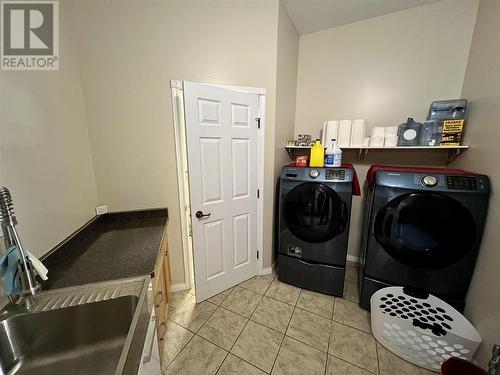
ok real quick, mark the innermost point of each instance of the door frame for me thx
(179, 121)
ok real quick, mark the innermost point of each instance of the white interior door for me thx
(222, 140)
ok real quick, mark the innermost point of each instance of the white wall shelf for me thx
(451, 151)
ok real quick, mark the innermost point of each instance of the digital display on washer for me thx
(335, 174)
(461, 183)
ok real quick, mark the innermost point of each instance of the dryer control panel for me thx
(466, 183)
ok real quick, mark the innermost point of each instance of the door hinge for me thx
(258, 122)
(257, 254)
(258, 193)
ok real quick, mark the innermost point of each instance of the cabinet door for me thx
(159, 292)
(167, 280)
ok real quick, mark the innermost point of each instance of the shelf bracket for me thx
(452, 155)
(360, 152)
(290, 153)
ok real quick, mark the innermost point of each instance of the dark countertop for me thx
(112, 246)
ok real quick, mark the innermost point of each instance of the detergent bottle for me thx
(333, 154)
(317, 158)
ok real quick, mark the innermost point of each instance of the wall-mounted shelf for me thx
(452, 151)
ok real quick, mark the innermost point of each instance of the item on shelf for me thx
(333, 154)
(344, 137)
(317, 158)
(447, 109)
(430, 135)
(390, 130)
(451, 133)
(290, 143)
(377, 137)
(301, 161)
(358, 132)
(330, 130)
(303, 140)
(409, 133)
(431, 324)
(366, 142)
(390, 141)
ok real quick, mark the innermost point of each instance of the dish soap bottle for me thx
(317, 158)
(333, 155)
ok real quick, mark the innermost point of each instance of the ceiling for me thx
(314, 15)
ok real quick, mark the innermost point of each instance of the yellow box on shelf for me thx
(451, 135)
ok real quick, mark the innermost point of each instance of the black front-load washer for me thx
(314, 213)
(422, 229)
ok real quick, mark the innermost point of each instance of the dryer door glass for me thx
(425, 229)
(314, 212)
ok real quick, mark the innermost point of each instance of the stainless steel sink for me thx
(101, 337)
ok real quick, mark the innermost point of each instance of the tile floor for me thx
(265, 326)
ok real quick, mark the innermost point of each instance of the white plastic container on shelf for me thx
(344, 134)
(390, 141)
(377, 136)
(330, 130)
(333, 154)
(358, 130)
(425, 331)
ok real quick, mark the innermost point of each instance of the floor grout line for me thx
(376, 357)
(355, 365)
(330, 336)
(180, 351)
(286, 330)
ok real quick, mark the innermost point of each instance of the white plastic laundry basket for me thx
(424, 331)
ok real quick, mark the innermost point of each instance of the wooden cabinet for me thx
(161, 291)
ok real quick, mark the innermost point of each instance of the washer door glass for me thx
(314, 212)
(425, 229)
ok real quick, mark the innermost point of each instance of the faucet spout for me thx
(494, 364)
(8, 221)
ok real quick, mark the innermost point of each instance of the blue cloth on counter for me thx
(8, 271)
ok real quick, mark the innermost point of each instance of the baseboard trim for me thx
(178, 287)
(268, 270)
(352, 258)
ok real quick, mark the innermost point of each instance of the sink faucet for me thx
(29, 285)
(494, 364)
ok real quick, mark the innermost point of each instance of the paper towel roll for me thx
(330, 131)
(378, 131)
(391, 130)
(376, 141)
(391, 141)
(358, 132)
(344, 136)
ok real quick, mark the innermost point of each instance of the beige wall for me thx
(286, 87)
(384, 69)
(128, 53)
(482, 88)
(45, 157)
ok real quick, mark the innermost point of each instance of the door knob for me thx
(200, 214)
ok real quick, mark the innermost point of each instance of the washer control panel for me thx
(331, 175)
(334, 174)
(461, 182)
(313, 173)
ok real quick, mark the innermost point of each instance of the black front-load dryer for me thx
(422, 229)
(314, 213)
